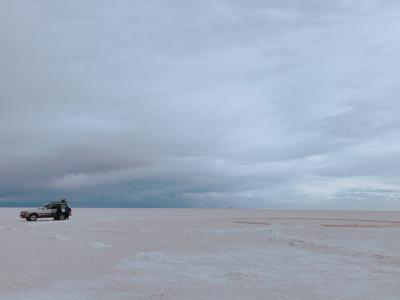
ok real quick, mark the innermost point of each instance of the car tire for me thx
(62, 217)
(32, 217)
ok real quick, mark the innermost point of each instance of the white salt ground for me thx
(201, 254)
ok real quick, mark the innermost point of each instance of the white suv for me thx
(50, 210)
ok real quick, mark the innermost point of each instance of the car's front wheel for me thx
(32, 217)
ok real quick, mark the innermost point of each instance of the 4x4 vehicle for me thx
(49, 210)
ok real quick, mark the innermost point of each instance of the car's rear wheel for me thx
(62, 217)
(32, 217)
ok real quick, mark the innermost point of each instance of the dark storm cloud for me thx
(211, 103)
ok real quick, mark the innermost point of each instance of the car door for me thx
(63, 208)
(53, 210)
(45, 211)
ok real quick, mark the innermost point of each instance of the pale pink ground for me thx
(201, 254)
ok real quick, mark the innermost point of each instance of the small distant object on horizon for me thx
(58, 210)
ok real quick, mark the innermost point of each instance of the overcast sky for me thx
(242, 103)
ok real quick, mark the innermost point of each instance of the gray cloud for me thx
(215, 103)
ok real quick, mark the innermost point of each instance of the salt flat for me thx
(201, 254)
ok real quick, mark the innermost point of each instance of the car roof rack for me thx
(62, 201)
